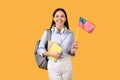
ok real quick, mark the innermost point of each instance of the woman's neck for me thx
(59, 28)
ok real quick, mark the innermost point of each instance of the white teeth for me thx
(59, 21)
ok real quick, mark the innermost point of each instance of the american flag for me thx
(86, 25)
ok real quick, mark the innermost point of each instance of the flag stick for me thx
(77, 33)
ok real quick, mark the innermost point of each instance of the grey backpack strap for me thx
(49, 33)
(48, 38)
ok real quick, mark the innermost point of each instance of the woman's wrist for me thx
(47, 54)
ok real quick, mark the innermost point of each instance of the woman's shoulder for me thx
(45, 32)
(69, 31)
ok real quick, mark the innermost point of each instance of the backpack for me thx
(40, 60)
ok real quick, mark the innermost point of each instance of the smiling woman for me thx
(61, 68)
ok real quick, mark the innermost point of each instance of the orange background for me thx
(22, 23)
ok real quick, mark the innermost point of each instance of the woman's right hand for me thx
(56, 55)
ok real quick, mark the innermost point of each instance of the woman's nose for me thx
(59, 17)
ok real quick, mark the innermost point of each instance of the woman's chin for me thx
(60, 24)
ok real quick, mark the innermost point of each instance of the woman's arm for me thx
(55, 55)
(42, 44)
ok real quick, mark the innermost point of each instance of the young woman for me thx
(61, 69)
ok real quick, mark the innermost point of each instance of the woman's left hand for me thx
(74, 47)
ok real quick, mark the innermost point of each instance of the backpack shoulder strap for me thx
(49, 32)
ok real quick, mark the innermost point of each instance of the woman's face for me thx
(59, 18)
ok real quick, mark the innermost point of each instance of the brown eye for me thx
(62, 16)
(57, 16)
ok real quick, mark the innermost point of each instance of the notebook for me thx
(53, 48)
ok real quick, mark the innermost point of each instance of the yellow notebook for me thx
(54, 47)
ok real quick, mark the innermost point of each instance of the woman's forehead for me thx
(59, 12)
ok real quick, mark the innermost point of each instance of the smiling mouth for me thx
(59, 21)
